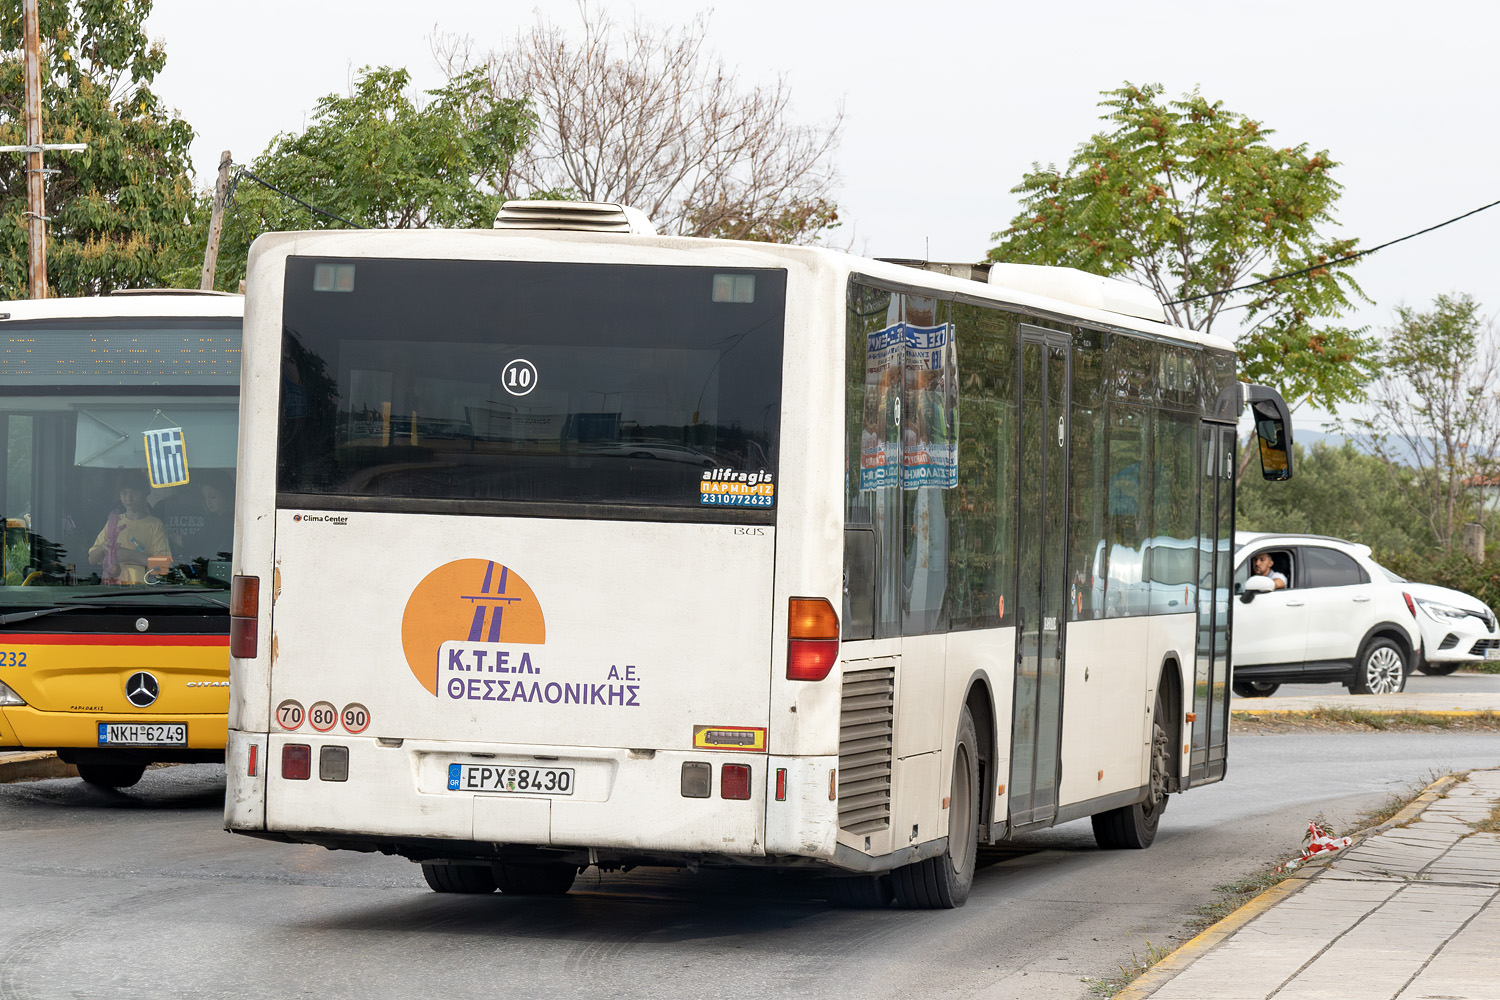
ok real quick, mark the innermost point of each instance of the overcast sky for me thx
(947, 104)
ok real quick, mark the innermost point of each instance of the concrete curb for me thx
(35, 765)
(1372, 711)
(1190, 951)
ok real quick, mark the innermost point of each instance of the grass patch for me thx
(1232, 896)
(1336, 718)
(1491, 823)
(1129, 971)
(1486, 666)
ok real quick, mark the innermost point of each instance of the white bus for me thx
(567, 545)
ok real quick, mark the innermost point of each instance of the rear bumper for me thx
(625, 805)
(30, 728)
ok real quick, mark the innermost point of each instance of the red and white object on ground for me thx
(1319, 841)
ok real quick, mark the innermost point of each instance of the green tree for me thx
(1338, 491)
(381, 159)
(118, 210)
(1435, 410)
(1190, 200)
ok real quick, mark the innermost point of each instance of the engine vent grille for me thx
(576, 216)
(867, 725)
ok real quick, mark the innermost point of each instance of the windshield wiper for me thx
(21, 616)
(151, 592)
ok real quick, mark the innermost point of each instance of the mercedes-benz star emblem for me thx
(141, 689)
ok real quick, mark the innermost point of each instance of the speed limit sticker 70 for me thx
(323, 716)
(289, 715)
(355, 717)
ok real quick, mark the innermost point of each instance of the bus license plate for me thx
(143, 734)
(518, 779)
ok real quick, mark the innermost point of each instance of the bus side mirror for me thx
(1273, 431)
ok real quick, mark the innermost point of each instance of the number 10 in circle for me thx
(519, 377)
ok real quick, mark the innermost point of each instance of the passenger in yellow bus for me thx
(132, 537)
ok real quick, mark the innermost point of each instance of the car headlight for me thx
(8, 695)
(1443, 612)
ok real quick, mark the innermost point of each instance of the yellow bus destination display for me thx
(49, 355)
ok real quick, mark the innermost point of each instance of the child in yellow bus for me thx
(131, 538)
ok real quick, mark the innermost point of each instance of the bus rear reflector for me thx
(734, 781)
(296, 761)
(812, 639)
(780, 784)
(243, 641)
(244, 611)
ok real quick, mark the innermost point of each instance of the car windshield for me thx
(1392, 577)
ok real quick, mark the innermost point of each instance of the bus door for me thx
(1215, 556)
(1036, 728)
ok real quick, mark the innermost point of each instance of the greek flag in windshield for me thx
(166, 457)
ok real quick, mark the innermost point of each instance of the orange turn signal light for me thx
(812, 639)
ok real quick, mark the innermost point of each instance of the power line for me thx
(1333, 263)
(242, 172)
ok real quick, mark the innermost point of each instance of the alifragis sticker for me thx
(474, 631)
(730, 488)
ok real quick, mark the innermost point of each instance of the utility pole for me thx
(36, 203)
(216, 223)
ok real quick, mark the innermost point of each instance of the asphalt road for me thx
(140, 894)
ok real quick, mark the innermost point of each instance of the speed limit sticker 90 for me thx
(289, 715)
(355, 717)
(323, 716)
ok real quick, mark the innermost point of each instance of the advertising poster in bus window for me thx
(879, 448)
(930, 423)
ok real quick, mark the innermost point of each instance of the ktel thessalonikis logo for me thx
(473, 630)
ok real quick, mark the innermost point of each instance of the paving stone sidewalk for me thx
(1411, 913)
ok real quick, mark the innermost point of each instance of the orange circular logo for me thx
(473, 600)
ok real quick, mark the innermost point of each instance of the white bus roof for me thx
(142, 304)
(612, 247)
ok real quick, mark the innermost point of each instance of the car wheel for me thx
(1381, 668)
(1437, 669)
(1255, 689)
(111, 775)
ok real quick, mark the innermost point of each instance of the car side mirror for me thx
(1257, 585)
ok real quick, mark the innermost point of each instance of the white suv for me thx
(1341, 618)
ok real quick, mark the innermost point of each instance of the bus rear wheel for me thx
(548, 879)
(943, 882)
(111, 775)
(1134, 827)
(442, 876)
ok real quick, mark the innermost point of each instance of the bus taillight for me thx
(244, 611)
(812, 639)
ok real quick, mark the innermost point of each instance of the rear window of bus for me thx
(532, 382)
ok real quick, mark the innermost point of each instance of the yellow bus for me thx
(119, 424)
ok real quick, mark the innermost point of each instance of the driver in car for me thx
(1261, 565)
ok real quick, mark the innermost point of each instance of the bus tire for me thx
(943, 882)
(549, 879)
(470, 879)
(859, 892)
(1133, 827)
(111, 775)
